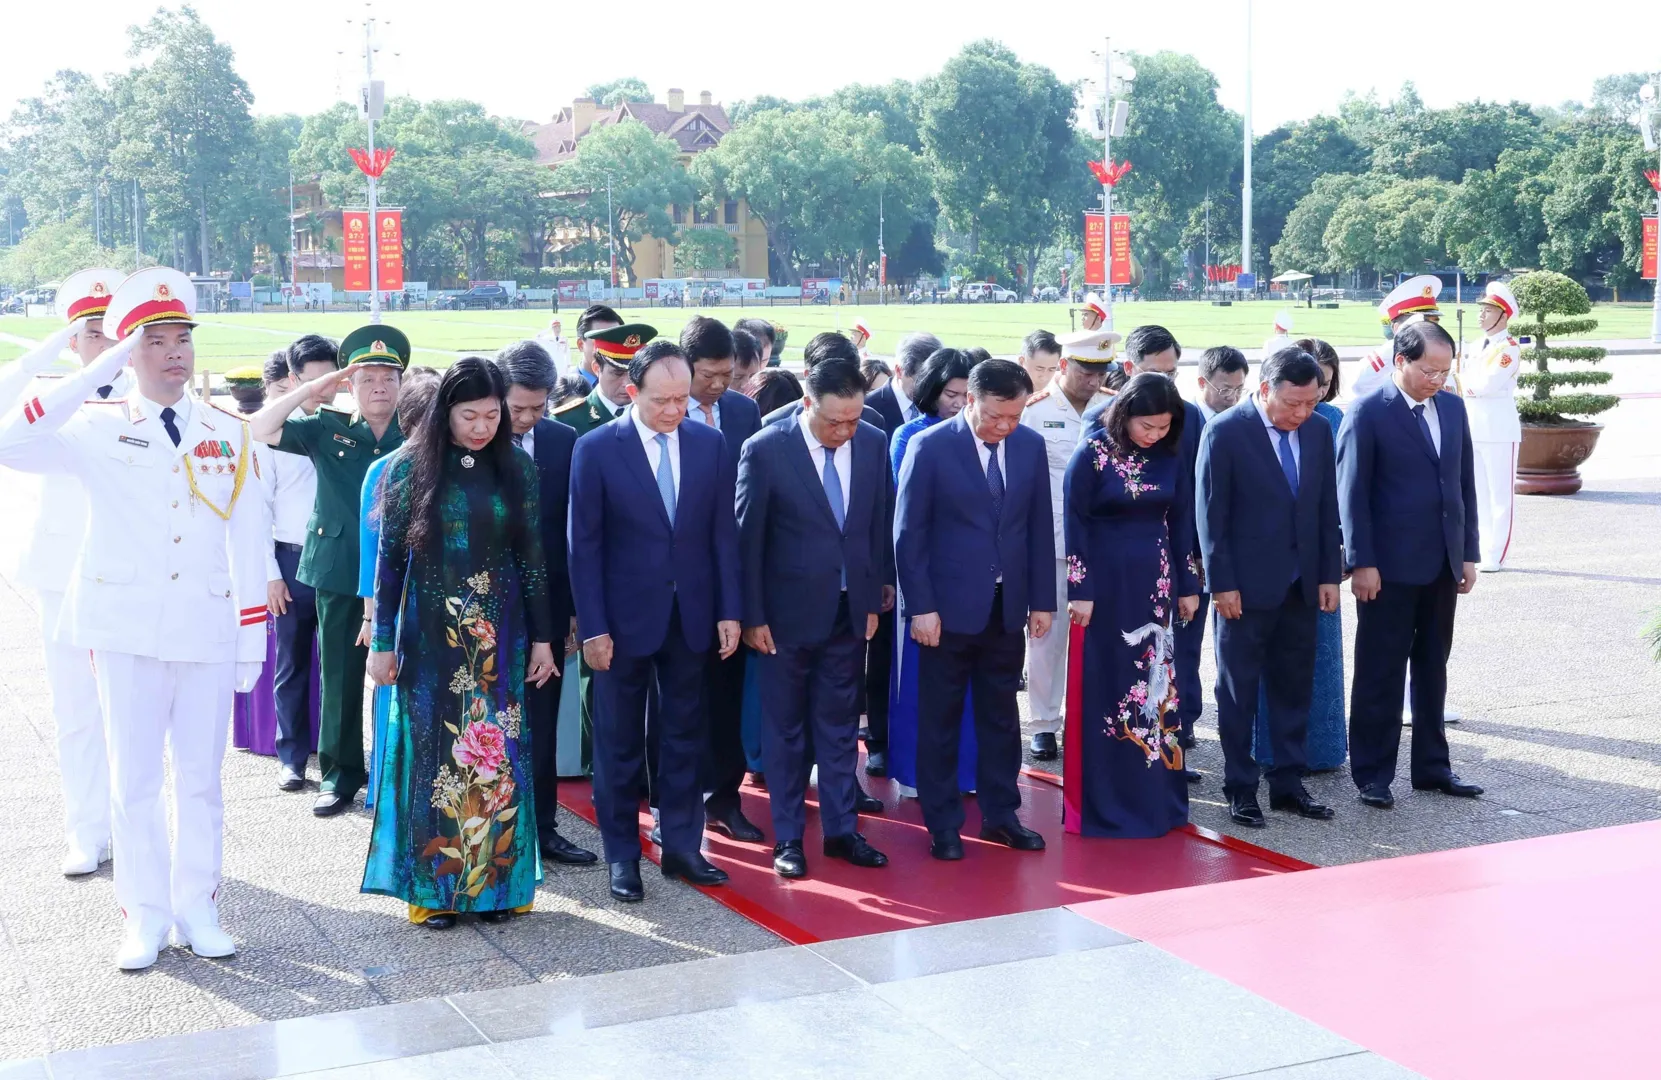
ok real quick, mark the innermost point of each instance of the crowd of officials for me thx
(675, 565)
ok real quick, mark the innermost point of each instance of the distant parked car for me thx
(482, 296)
(1049, 294)
(1001, 295)
(976, 292)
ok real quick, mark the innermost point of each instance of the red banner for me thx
(1095, 249)
(1651, 242)
(1119, 249)
(389, 249)
(354, 225)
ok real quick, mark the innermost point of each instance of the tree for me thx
(896, 103)
(1302, 243)
(53, 250)
(611, 94)
(1444, 144)
(255, 212)
(1392, 228)
(1494, 220)
(1285, 165)
(706, 247)
(646, 180)
(1540, 295)
(1597, 197)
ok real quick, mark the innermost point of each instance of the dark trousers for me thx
(723, 766)
(677, 673)
(809, 694)
(990, 661)
(340, 731)
(296, 638)
(1403, 624)
(1273, 647)
(1189, 643)
(879, 665)
(542, 718)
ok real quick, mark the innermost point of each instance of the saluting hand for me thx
(325, 388)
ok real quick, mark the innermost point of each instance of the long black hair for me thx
(426, 454)
(1147, 394)
(942, 366)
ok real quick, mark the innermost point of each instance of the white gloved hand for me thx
(247, 674)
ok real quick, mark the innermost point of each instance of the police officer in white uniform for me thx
(168, 593)
(861, 337)
(1414, 297)
(1281, 338)
(1488, 383)
(54, 540)
(1057, 413)
(1094, 313)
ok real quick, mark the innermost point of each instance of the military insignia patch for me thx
(142, 444)
(344, 439)
(632, 341)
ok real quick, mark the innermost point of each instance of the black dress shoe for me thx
(866, 803)
(1377, 796)
(290, 779)
(1187, 742)
(1243, 810)
(330, 803)
(501, 916)
(854, 849)
(560, 850)
(1193, 776)
(1451, 786)
(946, 846)
(788, 859)
(1300, 803)
(440, 922)
(693, 868)
(625, 881)
(876, 763)
(735, 825)
(656, 835)
(759, 779)
(1043, 746)
(863, 735)
(1015, 836)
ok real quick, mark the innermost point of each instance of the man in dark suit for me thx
(1407, 497)
(1267, 509)
(653, 531)
(975, 553)
(828, 345)
(814, 496)
(893, 404)
(529, 373)
(709, 348)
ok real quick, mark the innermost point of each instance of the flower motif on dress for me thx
(508, 720)
(483, 747)
(1075, 570)
(480, 582)
(1157, 739)
(1197, 568)
(461, 681)
(1129, 467)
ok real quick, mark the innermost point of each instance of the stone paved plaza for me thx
(1559, 702)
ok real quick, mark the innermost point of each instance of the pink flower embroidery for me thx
(485, 633)
(1075, 570)
(484, 747)
(500, 795)
(1129, 468)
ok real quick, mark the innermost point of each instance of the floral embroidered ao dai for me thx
(455, 829)
(1125, 515)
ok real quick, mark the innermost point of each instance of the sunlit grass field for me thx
(439, 337)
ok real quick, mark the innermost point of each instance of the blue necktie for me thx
(1288, 463)
(167, 417)
(995, 480)
(665, 476)
(1424, 428)
(833, 492)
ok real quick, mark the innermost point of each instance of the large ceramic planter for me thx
(1548, 462)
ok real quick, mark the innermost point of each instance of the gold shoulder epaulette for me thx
(569, 405)
(1039, 396)
(214, 405)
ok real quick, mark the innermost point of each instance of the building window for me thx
(675, 213)
(729, 212)
(701, 216)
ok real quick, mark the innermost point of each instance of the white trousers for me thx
(1047, 663)
(83, 767)
(148, 705)
(1495, 466)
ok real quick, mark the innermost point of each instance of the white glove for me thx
(247, 674)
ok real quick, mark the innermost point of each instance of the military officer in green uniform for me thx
(341, 444)
(614, 347)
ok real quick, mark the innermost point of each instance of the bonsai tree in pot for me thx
(1554, 444)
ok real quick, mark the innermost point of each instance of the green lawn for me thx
(227, 341)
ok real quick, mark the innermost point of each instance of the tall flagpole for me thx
(1246, 189)
(374, 238)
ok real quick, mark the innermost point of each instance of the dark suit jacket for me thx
(1406, 510)
(784, 412)
(887, 406)
(739, 420)
(946, 541)
(628, 565)
(552, 443)
(791, 551)
(1255, 536)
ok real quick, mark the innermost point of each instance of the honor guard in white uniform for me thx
(168, 593)
(861, 335)
(54, 540)
(1415, 296)
(1057, 413)
(1094, 313)
(1282, 337)
(1488, 383)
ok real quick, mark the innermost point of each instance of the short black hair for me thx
(527, 364)
(594, 313)
(651, 355)
(312, 349)
(913, 352)
(977, 355)
(829, 345)
(705, 338)
(415, 397)
(570, 388)
(1148, 340)
(1328, 357)
(1040, 341)
(834, 378)
(942, 366)
(761, 328)
(746, 350)
(1002, 379)
(276, 367)
(1413, 339)
(1147, 394)
(1291, 366)
(1222, 360)
(873, 369)
(775, 388)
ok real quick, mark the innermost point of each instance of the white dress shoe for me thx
(1488, 568)
(80, 860)
(138, 949)
(201, 935)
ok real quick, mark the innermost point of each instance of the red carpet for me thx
(837, 900)
(1537, 958)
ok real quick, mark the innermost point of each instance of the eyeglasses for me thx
(1225, 391)
(1431, 374)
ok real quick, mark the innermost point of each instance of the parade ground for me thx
(1224, 979)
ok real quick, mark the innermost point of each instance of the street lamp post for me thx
(369, 49)
(1107, 188)
(1652, 121)
(1246, 188)
(611, 237)
(882, 256)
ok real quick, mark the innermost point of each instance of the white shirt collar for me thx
(900, 396)
(181, 410)
(1428, 402)
(695, 409)
(647, 435)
